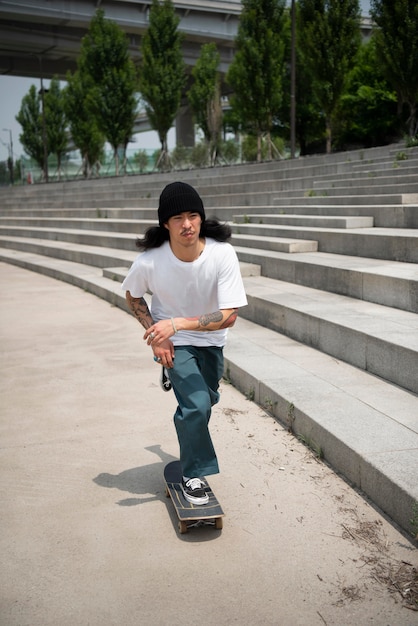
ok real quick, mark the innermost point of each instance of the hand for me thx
(164, 354)
(159, 332)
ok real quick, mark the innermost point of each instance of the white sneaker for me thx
(194, 491)
(164, 380)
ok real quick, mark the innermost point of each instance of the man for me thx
(193, 275)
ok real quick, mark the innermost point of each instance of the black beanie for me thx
(178, 198)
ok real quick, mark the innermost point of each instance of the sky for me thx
(14, 88)
(12, 91)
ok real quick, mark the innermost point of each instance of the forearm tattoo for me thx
(216, 317)
(141, 311)
(210, 318)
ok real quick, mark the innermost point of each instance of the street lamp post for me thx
(293, 85)
(44, 139)
(11, 164)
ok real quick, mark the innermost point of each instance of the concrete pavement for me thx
(89, 538)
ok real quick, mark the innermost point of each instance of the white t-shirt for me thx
(189, 289)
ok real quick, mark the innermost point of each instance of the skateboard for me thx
(191, 515)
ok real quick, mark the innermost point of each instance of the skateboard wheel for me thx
(219, 523)
(183, 528)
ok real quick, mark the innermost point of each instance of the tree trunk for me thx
(163, 160)
(116, 157)
(328, 135)
(258, 147)
(269, 150)
(412, 120)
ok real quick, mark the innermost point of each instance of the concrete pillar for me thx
(185, 127)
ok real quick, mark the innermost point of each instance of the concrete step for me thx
(257, 190)
(371, 337)
(126, 241)
(373, 171)
(88, 277)
(384, 215)
(380, 281)
(278, 244)
(396, 215)
(90, 255)
(389, 283)
(246, 200)
(316, 164)
(316, 221)
(301, 176)
(367, 184)
(119, 273)
(360, 190)
(377, 243)
(96, 256)
(311, 167)
(81, 213)
(134, 226)
(377, 199)
(120, 241)
(326, 182)
(365, 428)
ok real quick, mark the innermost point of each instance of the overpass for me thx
(41, 37)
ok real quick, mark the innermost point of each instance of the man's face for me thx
(184, 228)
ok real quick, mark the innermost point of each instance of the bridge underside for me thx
(43, 38)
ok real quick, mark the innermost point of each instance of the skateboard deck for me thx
(191, 515)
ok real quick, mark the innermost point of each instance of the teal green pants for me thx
(195, 379)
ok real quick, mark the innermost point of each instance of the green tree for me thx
(104, 58)
(397, 41)
(367, 112)
(56, 122)
(4, 175)
(30, 119)
(83, 124)
(204, 96)
(330, 35)
(256, 71)
(309, 122)
(162, 73)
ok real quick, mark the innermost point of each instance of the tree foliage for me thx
(204, 96)
(367, 114)
(330, 35)
(56, 121)
(309, 122)
(30, 119)
(397, 41)
(109, 74)
(162, 72)
(83, 125)
(256, 71)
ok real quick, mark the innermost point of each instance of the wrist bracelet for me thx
(174, 326)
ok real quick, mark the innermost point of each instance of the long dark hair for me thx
(156, 235)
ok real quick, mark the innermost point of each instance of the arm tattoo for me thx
(209, 318)
(216, 317)
(140, 309)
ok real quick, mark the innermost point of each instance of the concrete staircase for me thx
(328, 247)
